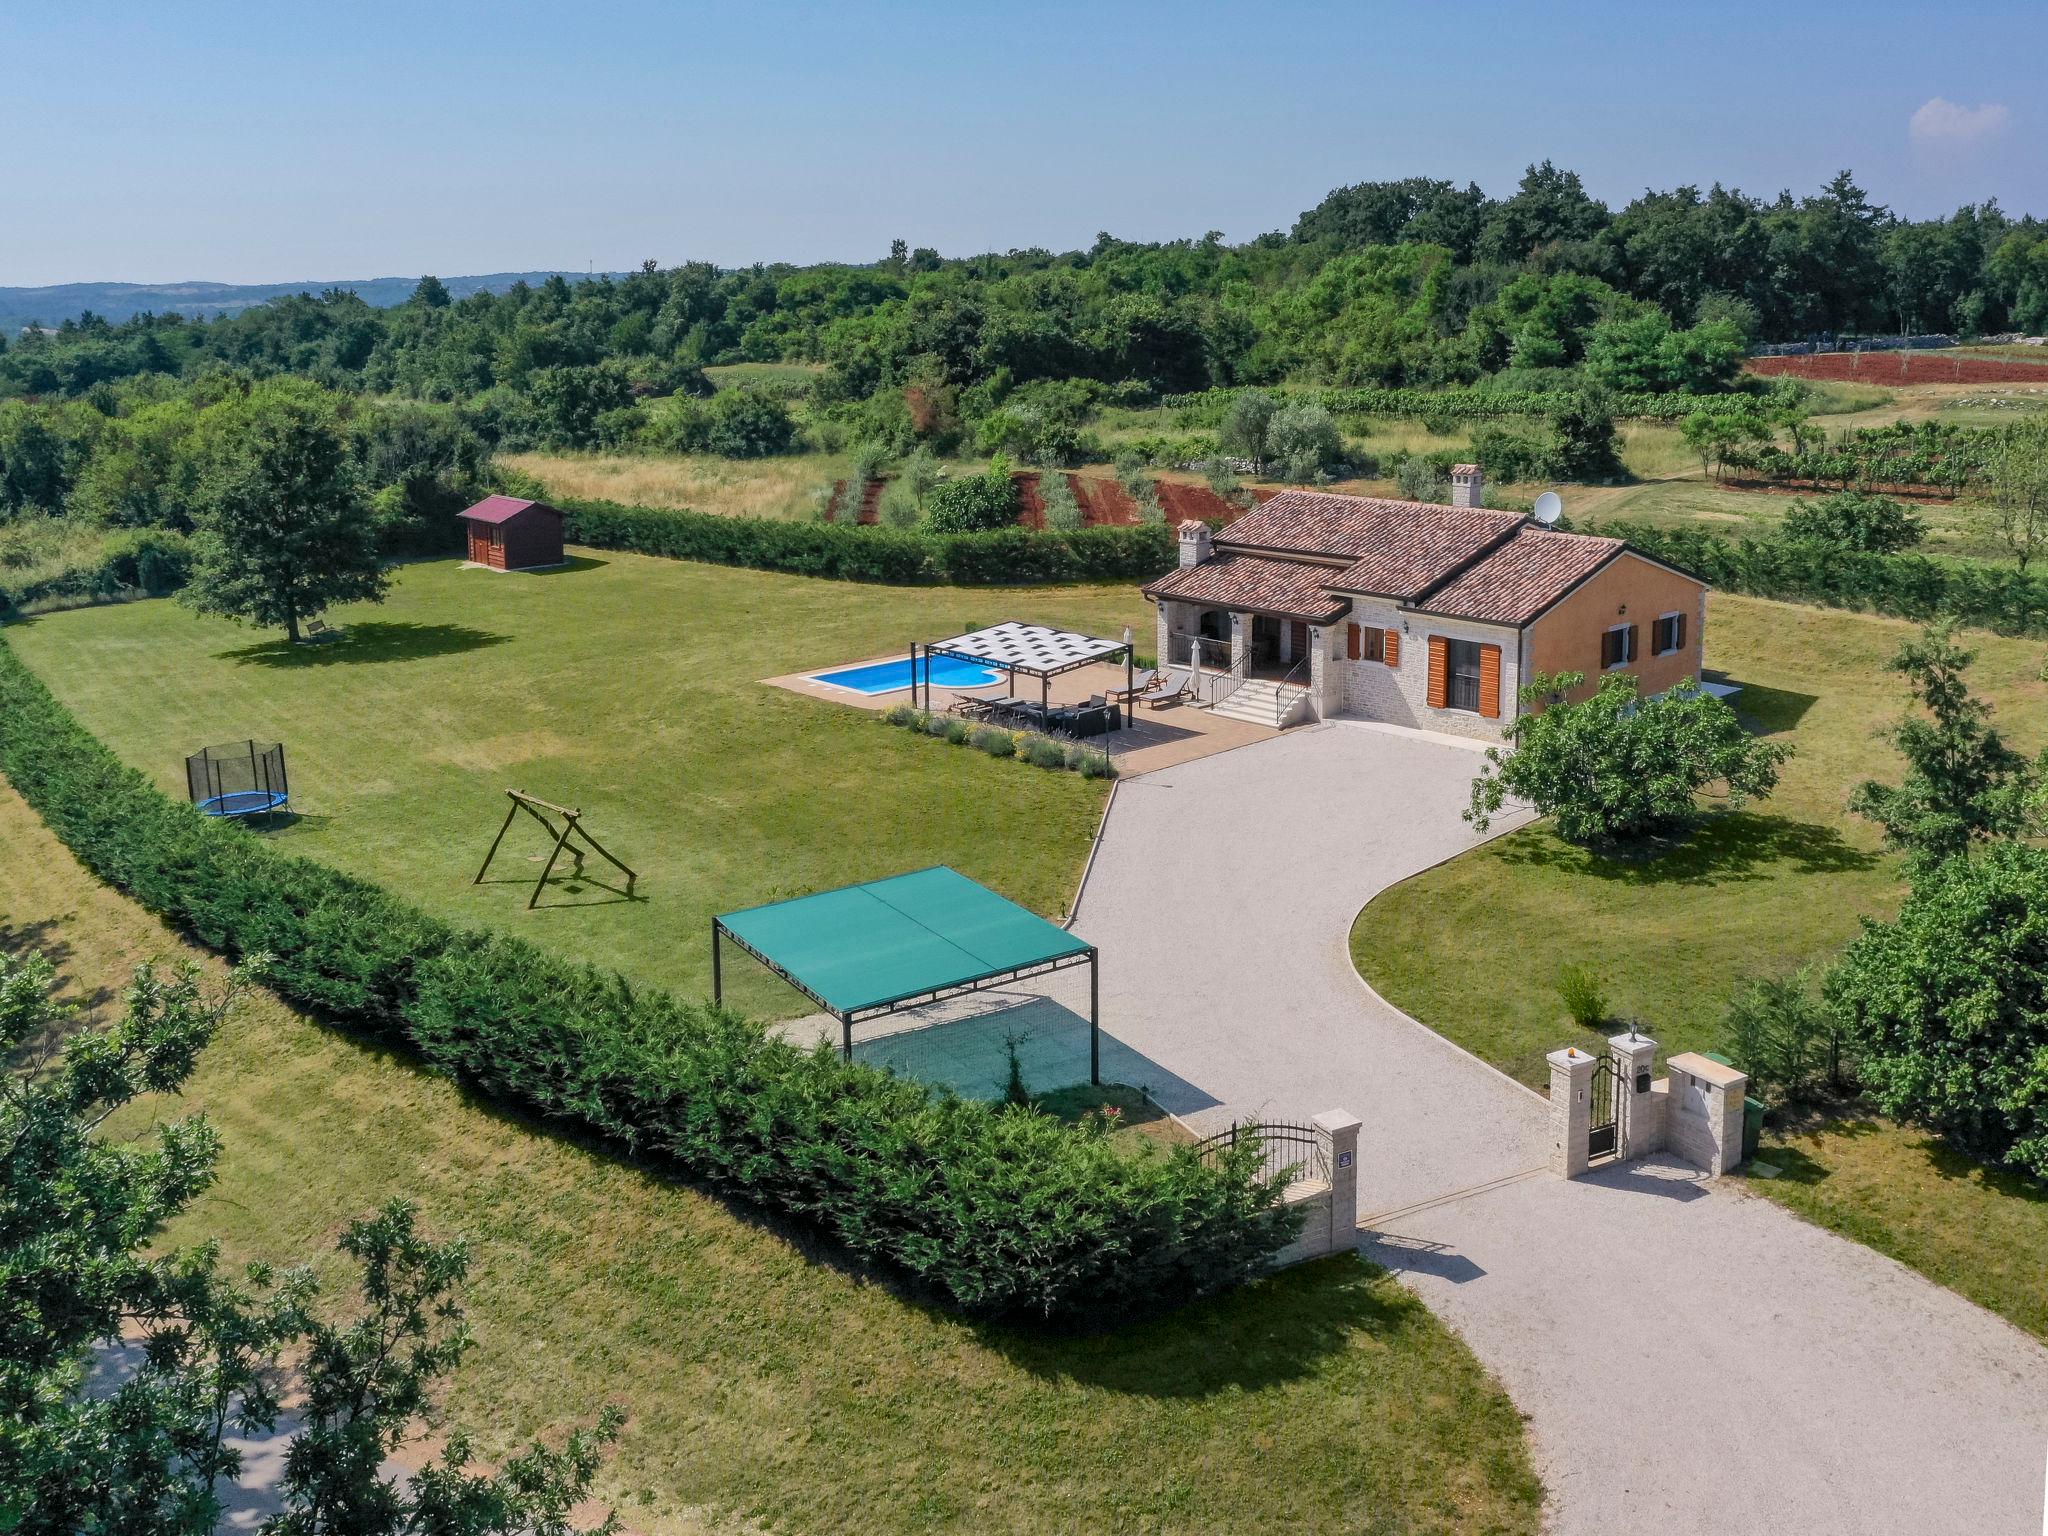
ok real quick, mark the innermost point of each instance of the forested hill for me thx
(198, 300)
(1411, 284)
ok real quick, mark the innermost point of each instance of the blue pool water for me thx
(889, 676)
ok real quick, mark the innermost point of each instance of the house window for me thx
(1461, 674)
(1372, 644)
(1667, 634)
(1618, 646)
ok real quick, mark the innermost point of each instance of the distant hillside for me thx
(120, 301)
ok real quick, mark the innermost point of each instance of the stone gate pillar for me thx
(1638, 1107)
(1571, 1109)
(1339, 1128)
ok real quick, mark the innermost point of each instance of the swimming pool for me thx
(890, 676)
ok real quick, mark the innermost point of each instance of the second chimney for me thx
(1468, 486)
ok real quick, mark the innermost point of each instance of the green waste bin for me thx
(1752, 1112)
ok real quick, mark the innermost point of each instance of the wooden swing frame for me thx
(572, 827)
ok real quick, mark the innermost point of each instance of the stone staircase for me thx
(1261, 701)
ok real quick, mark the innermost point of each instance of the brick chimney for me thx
(1468, 486)
(1195, 544)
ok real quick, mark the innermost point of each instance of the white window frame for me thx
(1673, 614)
(1626, 660)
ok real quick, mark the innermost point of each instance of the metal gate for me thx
(1603, 1132)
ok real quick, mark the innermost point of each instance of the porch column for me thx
(1240, 640)
(1163, 657)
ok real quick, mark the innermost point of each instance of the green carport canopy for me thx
(866, 950)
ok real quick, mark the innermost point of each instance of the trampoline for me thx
(243, 778)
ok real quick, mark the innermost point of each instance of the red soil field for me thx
(1903, 368)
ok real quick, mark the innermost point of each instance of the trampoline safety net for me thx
(243, 778)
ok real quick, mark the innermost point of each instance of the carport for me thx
(885, 946)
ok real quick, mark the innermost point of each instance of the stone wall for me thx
(1400, 695)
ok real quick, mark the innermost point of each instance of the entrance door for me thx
(1297, 640)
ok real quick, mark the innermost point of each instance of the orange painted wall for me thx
(1567, 639)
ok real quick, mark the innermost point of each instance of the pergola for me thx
(864, 951)
(1032, 649)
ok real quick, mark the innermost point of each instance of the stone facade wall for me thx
(1400, 695)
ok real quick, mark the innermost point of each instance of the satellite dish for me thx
(1549, 508)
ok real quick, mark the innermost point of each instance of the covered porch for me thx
(1251, 632)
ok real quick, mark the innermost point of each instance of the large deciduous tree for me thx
(282, 528)
(1615, 768)
(1947, 1006)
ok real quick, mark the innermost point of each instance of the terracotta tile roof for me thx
(1521, 578)
(1286, 589)
(501, 509)
(1397, 548)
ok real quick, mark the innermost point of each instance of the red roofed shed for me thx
(508, 534)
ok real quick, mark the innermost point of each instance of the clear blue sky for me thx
(246, 142)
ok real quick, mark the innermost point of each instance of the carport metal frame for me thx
(848, 1017)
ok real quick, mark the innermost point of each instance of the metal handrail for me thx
(1222, 685)
(1280, 697)
(1280, 1141)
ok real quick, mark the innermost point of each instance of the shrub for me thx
(1584, 994)
(1096, 764)
(898, 506)
(993, 740)
(901, 714)
(1780, 1035)
(1302, 440)
(734, 423)
(974, 504)
(1947, 1006)
(1044, 752)
(1513, 451)
(956, 731)
(1056, 497)
(1855, 520)
(935, 725)
(1417, 478)
(1000, 1214)
(1613, 767)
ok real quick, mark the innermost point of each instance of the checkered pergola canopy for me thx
(1030, 648)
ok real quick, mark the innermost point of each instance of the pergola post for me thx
(1095, 1017)
(717, 974)
(846, 1036)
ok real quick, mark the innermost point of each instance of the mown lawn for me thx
(1758, 892)
(1981, 1231)
(627, 686)
(768, 1388)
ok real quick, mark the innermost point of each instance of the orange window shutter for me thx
(1489, 681)
(1393, 651)
(1351, 641)
(1437, 669)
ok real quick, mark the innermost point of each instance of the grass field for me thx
(627, 686)
(767, 1388)
(1759, 892)
(776, 488)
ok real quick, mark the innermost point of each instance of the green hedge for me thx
(1905, 586)
(894, 556)
(996, 1212)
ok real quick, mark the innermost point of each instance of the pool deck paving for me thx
(1152, 738)
(1690, 1357)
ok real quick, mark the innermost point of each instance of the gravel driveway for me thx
(1689, 1357)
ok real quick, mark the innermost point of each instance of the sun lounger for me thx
(1178, 688)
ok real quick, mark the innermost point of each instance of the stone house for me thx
(1317, 605)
